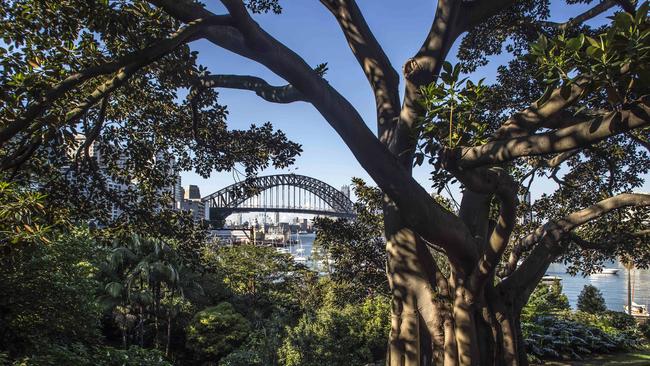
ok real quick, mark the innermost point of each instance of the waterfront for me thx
(613, 287)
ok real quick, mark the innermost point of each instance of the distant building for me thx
(192, 193)
(95, 152)
(197, 208)
(527, 216)
(192, 202)
(178, 192)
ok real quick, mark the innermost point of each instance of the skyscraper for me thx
(192, 193)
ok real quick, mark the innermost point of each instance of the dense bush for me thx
(645, 330)
(48, 294)
(216, 331)
(348, 336)
(591, 300)
(546, 299)
(551, 336)
(80, 355)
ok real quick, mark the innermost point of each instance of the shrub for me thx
(546, 299)
(81, 355)
(48, 294)
(620, 320)
(216, 331)
(353, 335)
(570, 335)
(591, 300)
(645, 330)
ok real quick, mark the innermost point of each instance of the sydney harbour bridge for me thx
(279, 193)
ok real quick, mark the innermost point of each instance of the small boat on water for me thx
(299, 255)
(551, 279)
(638, 310)
(609, 271)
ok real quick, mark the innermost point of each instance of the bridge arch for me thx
(237, 197)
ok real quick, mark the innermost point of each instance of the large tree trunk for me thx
(482, 333)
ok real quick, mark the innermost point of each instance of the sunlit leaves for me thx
(615, 61)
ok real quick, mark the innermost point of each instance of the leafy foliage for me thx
(216, 331)
(356, 247)
(259, 278)
(90, 146)
(555, 337)
(351, 335)
(591, 300)
(79, 354)
(616, 61)
(49, 294)
(546, 299)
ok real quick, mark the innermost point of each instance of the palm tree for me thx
(141, 273)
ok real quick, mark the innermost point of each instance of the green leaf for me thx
(574, 44)
(593, 42)
(114, 289)
(447, 67)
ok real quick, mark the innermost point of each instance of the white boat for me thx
(609, 271)
(282, 250)
(299, 255)
(551, 279)
(638, 310)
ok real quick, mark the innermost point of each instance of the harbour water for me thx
(613, 287)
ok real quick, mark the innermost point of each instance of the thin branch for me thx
(582, 243)
(546, 240)
(593, 12)
(644, 143)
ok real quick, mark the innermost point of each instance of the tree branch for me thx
(534, 117)
(141, 57)
(419, 208)
(547, 239)
(273, 94)
(381, 75)
(579, 135)
(639, 140)
(593, 12)
(491, 181)
(421, 70)
(246, 25)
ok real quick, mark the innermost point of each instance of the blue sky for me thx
(311, 31)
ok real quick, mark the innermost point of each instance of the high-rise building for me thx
(94, 150)
(196, 207)
(192, 193)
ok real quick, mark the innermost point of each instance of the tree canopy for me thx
(571, 106)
